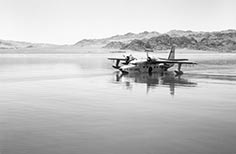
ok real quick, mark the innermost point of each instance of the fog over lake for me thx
(78, 104)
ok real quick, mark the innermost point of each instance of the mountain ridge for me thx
(224, 41)
(9, 44)
(125, 38)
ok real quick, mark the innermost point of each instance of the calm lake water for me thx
(77, 104)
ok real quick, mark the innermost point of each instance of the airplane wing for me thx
(173, 59)
(164, 62)
(122, 59)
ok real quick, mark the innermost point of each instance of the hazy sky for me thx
(68, 21)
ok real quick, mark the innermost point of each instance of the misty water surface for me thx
(76, 103)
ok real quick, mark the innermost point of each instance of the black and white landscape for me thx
(59, 94)
(222, 41)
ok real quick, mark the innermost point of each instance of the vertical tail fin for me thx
(172, 53)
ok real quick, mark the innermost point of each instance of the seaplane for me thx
(130, 64)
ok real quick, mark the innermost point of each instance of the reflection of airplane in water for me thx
(153, 80)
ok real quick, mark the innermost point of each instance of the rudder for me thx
(172, 53)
